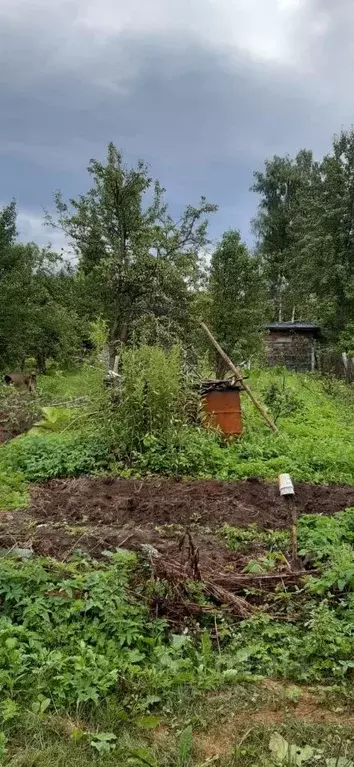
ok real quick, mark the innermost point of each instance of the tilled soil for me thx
(95, 514)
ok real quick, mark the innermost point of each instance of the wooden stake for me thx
(238, 375)
(293, 516)
(286, 489)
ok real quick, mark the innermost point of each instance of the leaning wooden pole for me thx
(239, 377)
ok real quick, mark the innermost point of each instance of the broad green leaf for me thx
(51, 413)
(291, 755)
(142, 756)
(242, 655)
(293, 693)
(105, 736)
(231, 674)
(279, 747)
(148, 722)
(35, 431)
(179, 641)
(299, 756)
(77, 734)
(254, 567)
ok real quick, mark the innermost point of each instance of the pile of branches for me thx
(221, 588)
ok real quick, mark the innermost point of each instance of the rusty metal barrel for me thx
(222, 406)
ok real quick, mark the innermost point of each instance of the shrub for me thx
(190, 451)
(280, 400)
(154, 398)
(18, 411)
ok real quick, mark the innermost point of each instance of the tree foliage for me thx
(37, 309)
(144, 273)
(237, 291)
(305, 230)
(326, 238)
(284, 186)
(134, 260)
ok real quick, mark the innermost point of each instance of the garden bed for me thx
(95, 514)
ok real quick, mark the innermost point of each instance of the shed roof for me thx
(300, 327)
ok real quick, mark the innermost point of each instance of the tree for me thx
(305, 228)
(37, 308)
(7, 232)
(326, 237)
(237, 290)
(134, 259)
(53, 326)
(284, 187)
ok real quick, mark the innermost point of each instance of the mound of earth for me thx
(94, 514)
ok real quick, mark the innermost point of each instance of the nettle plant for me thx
(154, 399)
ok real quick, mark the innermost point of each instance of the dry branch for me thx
(178, 573)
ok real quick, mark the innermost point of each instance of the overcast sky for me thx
(203, 90)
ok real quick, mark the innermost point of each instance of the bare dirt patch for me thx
(274, 709)
(220, 740)
(94, 514)
(236, 717)
(160, 501)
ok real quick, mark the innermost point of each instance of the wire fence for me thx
(333, 363)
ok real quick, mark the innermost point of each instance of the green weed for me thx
(13, 490)
(73, 633)
(241, 539)
(280, 400)
(153, 400)
(41, 457)
(319, 536)
(61, 387)
(54, 419)
(315, 443)
(149, 429)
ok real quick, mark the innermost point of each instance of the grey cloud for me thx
(203, 118)
(329, 54)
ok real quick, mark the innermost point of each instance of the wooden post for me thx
(286, 489)
(239, 377)
(116, 362)
(293, 516)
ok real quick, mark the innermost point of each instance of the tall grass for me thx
(154, 399)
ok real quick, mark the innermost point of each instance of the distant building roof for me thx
(302, 327)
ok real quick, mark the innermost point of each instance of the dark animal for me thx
(28, 380)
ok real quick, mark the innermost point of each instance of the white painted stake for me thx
(286, 490)
(286, 486)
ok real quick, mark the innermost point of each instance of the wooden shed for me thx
(292, 344)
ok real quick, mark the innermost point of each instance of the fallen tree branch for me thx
(177, 573)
